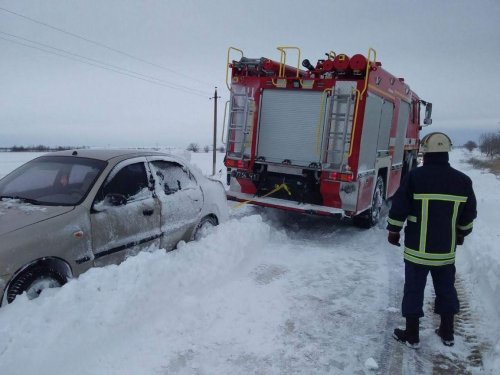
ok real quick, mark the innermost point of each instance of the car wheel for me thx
(204, 227)
(33, 281)
(370, 217)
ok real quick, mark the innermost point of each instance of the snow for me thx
(371, 364)
(267, 292)
(481, 254)
(8, 203)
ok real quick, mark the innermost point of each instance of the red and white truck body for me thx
(334, 138)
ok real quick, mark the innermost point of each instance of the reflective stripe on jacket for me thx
(437, 202)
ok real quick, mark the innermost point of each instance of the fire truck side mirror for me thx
(428, 113)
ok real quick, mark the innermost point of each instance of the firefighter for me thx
(437, 203)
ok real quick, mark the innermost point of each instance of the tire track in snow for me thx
(465, 327)
(391, 352)
(465, 358)
(450, 363)
(337, 317)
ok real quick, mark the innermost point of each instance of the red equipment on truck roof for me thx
(332, 139)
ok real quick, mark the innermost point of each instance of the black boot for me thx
(445, 330)
(409, 336)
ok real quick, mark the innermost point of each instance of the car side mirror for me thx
(114, 199)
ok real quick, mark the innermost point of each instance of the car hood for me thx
(15, 214)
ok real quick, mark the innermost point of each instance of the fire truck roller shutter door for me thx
(288, 127)
(385, 129)
(371, 123)
(403, 117)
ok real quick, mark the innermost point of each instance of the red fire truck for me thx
(334, 138)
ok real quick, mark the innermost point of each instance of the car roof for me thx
(107, 154)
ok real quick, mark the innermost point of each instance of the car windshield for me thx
(52, 180)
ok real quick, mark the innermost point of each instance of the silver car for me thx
(65, 212)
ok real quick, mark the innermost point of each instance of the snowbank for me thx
(479, 257)
(129, 311)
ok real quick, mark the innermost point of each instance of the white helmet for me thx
(435, 142)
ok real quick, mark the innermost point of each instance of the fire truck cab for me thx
(334, 138)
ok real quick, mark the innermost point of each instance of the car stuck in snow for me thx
(65, 212)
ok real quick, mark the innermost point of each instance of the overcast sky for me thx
(447, 51)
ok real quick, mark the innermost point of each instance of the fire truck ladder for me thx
(338, 134)
(238, 128)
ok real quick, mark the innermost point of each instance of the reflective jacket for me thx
(437, 202)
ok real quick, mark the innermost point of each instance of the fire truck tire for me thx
(370, 217)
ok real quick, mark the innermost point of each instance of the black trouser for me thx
(443, 278)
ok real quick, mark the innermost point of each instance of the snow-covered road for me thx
(268, 292)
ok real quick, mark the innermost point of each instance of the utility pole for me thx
(215, 97)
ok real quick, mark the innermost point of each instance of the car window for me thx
(36, 176)
(52, 179)
(172, 176)
(129, 181)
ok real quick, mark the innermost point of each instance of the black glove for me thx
(460, 239)
(393, 238)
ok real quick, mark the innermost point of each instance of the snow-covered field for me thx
(268, 292)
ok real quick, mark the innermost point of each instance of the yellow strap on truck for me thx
(277, 188)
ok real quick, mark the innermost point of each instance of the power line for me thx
(100, 66)
(166, 83)
(103, 45)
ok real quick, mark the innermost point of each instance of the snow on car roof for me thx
(106, 154)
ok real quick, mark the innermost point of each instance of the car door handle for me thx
(148, 212)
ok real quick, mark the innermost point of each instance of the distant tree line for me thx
(39, 148)
(194, 147)
(470, 145)
(489, 144)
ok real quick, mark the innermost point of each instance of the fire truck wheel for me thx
(370, 217)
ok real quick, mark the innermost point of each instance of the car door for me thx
(181, 200)
(125, 216)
